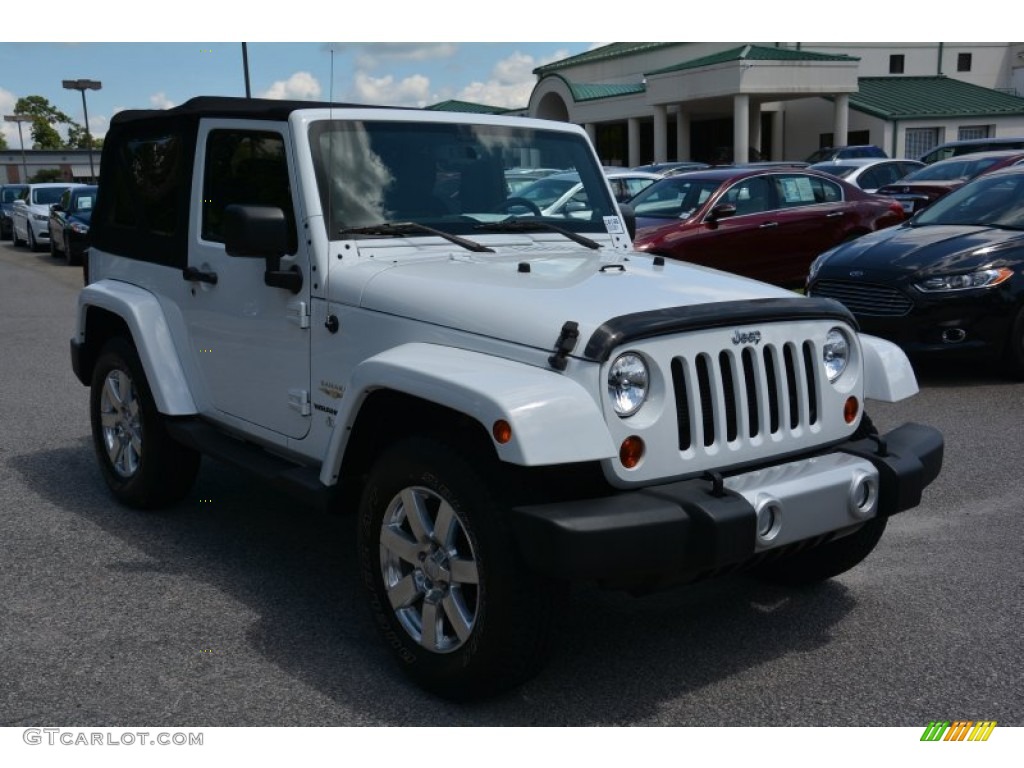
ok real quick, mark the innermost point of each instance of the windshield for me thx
(10, 194)
(991, 201)
(952, 170)
(46, 195)
(675, 197)
(451, 176)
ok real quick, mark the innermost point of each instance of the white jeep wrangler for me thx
(348, 302)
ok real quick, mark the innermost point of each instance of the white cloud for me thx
(510, 83)
(412, 91)
(9, 130)
(301, 86)
(98, 125)
(369, 56)
(159, 100)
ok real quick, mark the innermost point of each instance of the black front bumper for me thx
(683, 528)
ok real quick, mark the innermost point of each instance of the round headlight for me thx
(628, 383)
(836, 353)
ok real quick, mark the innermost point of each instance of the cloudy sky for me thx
(491, 69)
(159, 75)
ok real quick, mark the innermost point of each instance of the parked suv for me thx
(8, 194)
(969, 147)
(827, 154)
(506, 401)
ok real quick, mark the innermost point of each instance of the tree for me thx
(77, 139)
(3, 142)
(44, 114)
(46, 175)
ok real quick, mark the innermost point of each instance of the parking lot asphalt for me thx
(240, 607)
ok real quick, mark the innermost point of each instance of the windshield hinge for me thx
(298, 400)
(298, 313)
(566, 343)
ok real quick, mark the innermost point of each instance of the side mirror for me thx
(18, 202)
(57, 208)
(629, 216)
(723, 211)
(261, 232)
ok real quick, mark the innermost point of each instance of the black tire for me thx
(32, 244)
(14, 236)
(143, 467)
(73, 259)
(1013, 359)
(825, 561)
(53, 246)
(506, 617)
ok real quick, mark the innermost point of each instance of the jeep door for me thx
(249, 341)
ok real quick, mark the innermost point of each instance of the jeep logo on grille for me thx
(746, 337)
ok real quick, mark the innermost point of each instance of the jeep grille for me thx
(744, 394)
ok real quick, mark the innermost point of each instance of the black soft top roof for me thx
(230, 106)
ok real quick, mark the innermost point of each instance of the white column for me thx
(660, 133)
(682, 134)
(591, 130)
(633, 139)
(740, 127)
(841, 120)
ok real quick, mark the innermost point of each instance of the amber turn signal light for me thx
(850, 410)
(631, 451)
(502, 431)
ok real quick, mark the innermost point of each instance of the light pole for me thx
(19, 119)
(83, 86)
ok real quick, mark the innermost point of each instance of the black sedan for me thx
(69, 223)
(948, 282)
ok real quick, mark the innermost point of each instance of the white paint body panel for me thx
(888, 375)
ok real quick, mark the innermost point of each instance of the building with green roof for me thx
(643, 102)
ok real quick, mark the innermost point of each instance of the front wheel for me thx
(141, 464)
(826, 560)
(446, 587)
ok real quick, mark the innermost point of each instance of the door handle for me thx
(191, 273)
(834, 214)
(769, 225)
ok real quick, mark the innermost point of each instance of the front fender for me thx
(141, 311)
(888, 375)
(554, 420)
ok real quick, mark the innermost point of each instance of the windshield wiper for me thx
(402, 228)
(520, 225)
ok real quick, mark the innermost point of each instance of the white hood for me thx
(495, 295)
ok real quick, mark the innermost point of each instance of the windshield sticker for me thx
(797, 190)
(613, 225)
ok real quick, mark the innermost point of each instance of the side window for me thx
(148, 183)
(872, 178)
(65, 200)
(752, 195)
(246, 168)
(797, 190)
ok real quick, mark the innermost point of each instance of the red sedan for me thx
(765, 223)
(924, 186)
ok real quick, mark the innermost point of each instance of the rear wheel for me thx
(446, 586)
(53, 246)
(32, 244)
(73, 259)
(141, 464)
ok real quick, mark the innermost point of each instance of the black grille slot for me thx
(682, 405)
(707, 399)
(812, 390)
(788, 357)
(773, 390)
(729, 390)
(865, 298)
(750, 380)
